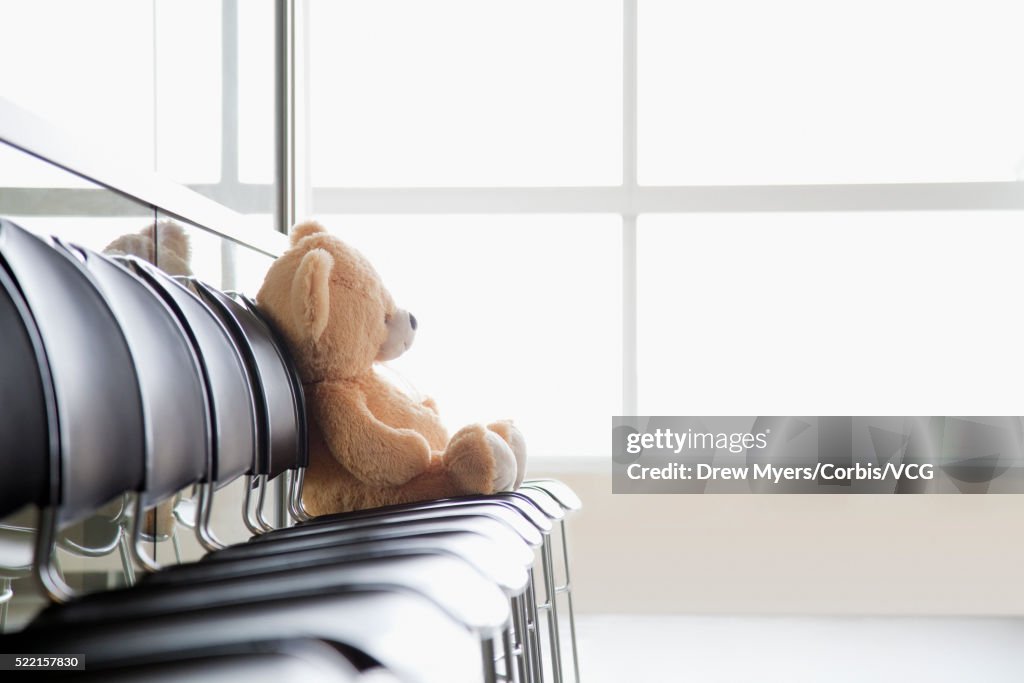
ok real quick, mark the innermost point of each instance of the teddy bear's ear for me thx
(305, 229)
(311, 296)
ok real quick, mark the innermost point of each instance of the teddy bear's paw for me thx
(505, 468)
(514, 438)
(480, 461)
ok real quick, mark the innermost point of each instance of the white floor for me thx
(713, 649)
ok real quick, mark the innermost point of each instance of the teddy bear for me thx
(370, 443)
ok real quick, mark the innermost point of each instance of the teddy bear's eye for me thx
(387, 318)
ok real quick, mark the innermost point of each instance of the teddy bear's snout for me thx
(401, 332)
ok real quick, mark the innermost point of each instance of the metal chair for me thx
(26, 451)
(95, 410)
(569, 502)
(230, 401)
(388, 626)
(448, 550)
(175, 409)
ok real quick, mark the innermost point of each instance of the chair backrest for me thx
(100, 420)
(233, 418)
(28, 421)
(174, 396)
(294, 379)
(278, 419)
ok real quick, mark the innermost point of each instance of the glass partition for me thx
(48, 200)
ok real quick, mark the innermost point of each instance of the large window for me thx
(759, 207)
(601, 206)
(737, 92)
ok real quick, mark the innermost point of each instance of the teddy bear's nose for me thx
(412, 321)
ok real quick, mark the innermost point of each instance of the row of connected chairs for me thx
(120, 381)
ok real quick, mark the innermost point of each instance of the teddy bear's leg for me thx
(480, 461)
(514, 438)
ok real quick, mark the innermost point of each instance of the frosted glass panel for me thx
(213, 259)
(21, 170)
(518, 317)
(465, 93)
(798, 91)
(831, 314)
(93, 222)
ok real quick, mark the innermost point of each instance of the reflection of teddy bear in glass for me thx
(171, 251)
(370, 444)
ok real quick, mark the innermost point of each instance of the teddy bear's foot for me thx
(481, 461)
(505, 466)
(514, 438)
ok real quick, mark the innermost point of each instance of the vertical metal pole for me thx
(229, 93)
(629, 184)
(228, 128)
(302, 199)
(284, 106)
(284, 156)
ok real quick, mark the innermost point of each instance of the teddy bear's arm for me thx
(395, 408)
(371, 450)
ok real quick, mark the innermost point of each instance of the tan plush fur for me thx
(370, 443)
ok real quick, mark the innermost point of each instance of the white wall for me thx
(763, 554)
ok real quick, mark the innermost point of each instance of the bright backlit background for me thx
(500, 180)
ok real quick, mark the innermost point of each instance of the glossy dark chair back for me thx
(294, 379)
(233, 418)
(28, 421)
(101, 429)
(173, 393)
(278, 419)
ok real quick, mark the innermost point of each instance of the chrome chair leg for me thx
(487, 646)
(550, 605)
(533, 630)
(127, 565)
(509, 671)
(520, 644)
(567, 589)
(569, 502)
(6, 594)
(176, 544)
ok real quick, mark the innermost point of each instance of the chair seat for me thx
(391, 627)
(516, 521)
(486, 526)
(493, 562)
(452, 584)
(310, 661)
(513, 500)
